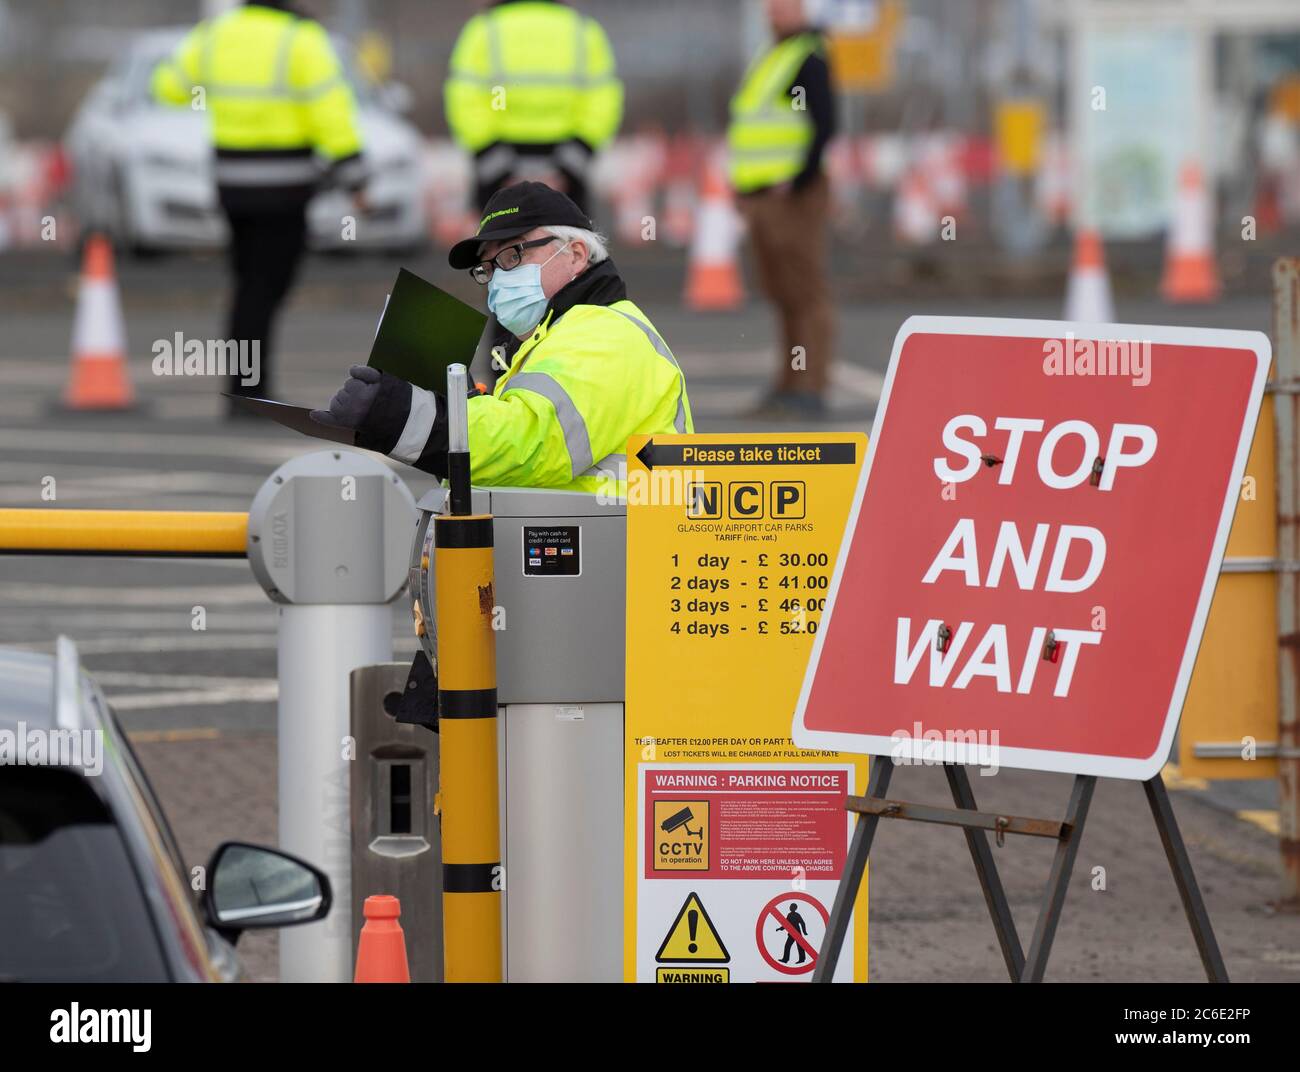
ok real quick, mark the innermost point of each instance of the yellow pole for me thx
(467, 725)
(467, 716)
(146, 533)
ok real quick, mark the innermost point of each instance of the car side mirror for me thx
(250, 887)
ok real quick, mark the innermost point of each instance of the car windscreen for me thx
(135, 72)
(71, 907)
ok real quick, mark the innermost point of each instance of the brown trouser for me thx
(789, 234)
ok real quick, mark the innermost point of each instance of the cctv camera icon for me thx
(680, 820)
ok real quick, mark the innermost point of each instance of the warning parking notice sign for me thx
(731, 540)
(778, 836)
(1034, 542)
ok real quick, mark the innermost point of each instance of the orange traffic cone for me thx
(1087, 293)
(713, 277)
(381, 953)
(100, 379)
(1190, 272)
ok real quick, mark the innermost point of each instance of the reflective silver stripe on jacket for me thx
(571, 423)
(495, 163)
(319, 89)
(281, 78)
(576, 437)
(266, 171)
(661, 347)
(487, 81)
(419, 424)
(351, 172)
(613, 466)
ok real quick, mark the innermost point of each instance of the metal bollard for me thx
(468, 801)
(328, 539)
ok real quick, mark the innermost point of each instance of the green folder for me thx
(423, 330)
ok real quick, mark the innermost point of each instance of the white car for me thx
(142, 171)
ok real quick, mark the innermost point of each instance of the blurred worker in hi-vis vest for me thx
(284, 120)
(532, 94)
(782, 118)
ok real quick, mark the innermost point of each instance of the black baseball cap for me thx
(514, 211)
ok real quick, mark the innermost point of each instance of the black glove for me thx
(351, 402)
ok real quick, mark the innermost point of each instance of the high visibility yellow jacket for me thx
(589, 376)
(276, 93)
(769, 134)
(532, 72)
(576, 390)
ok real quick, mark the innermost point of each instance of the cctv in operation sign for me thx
(1033, 544)
(731, 545)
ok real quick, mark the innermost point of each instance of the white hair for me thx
(595, 243)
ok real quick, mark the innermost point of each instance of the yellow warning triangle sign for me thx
(693, 937)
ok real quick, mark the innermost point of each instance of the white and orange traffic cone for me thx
(99, 377)
(939, 158)
(1052, 185)
(641, 168)
(713, 275)
(916, 214)
(679, 191)
(884, 161)
(1087, 293)
(1190, 271)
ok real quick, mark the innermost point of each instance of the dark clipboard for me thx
(296, 417)
(421, 331)
(424, 329)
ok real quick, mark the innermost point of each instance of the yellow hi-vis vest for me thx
(769, 136)
(532, 73)
(271, 82)
(577, 388)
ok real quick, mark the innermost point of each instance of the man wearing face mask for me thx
(586, 367)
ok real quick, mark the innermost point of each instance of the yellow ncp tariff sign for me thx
(735, 839)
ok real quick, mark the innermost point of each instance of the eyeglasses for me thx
(506, 259)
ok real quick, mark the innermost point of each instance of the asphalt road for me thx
(201, 705)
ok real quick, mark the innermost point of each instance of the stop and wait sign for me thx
(1034, 543)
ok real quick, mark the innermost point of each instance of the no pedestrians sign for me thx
(1034, 543)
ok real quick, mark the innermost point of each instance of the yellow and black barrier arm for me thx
(134, 533)
(468, 804)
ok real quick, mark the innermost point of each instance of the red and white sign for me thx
(749, 841)
(1034, 543)
(802, 946)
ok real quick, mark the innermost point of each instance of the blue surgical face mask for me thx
(516, 297)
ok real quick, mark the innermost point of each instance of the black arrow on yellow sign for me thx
(694, 454)
(646, 455)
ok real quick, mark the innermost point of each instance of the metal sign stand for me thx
(975, 824)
